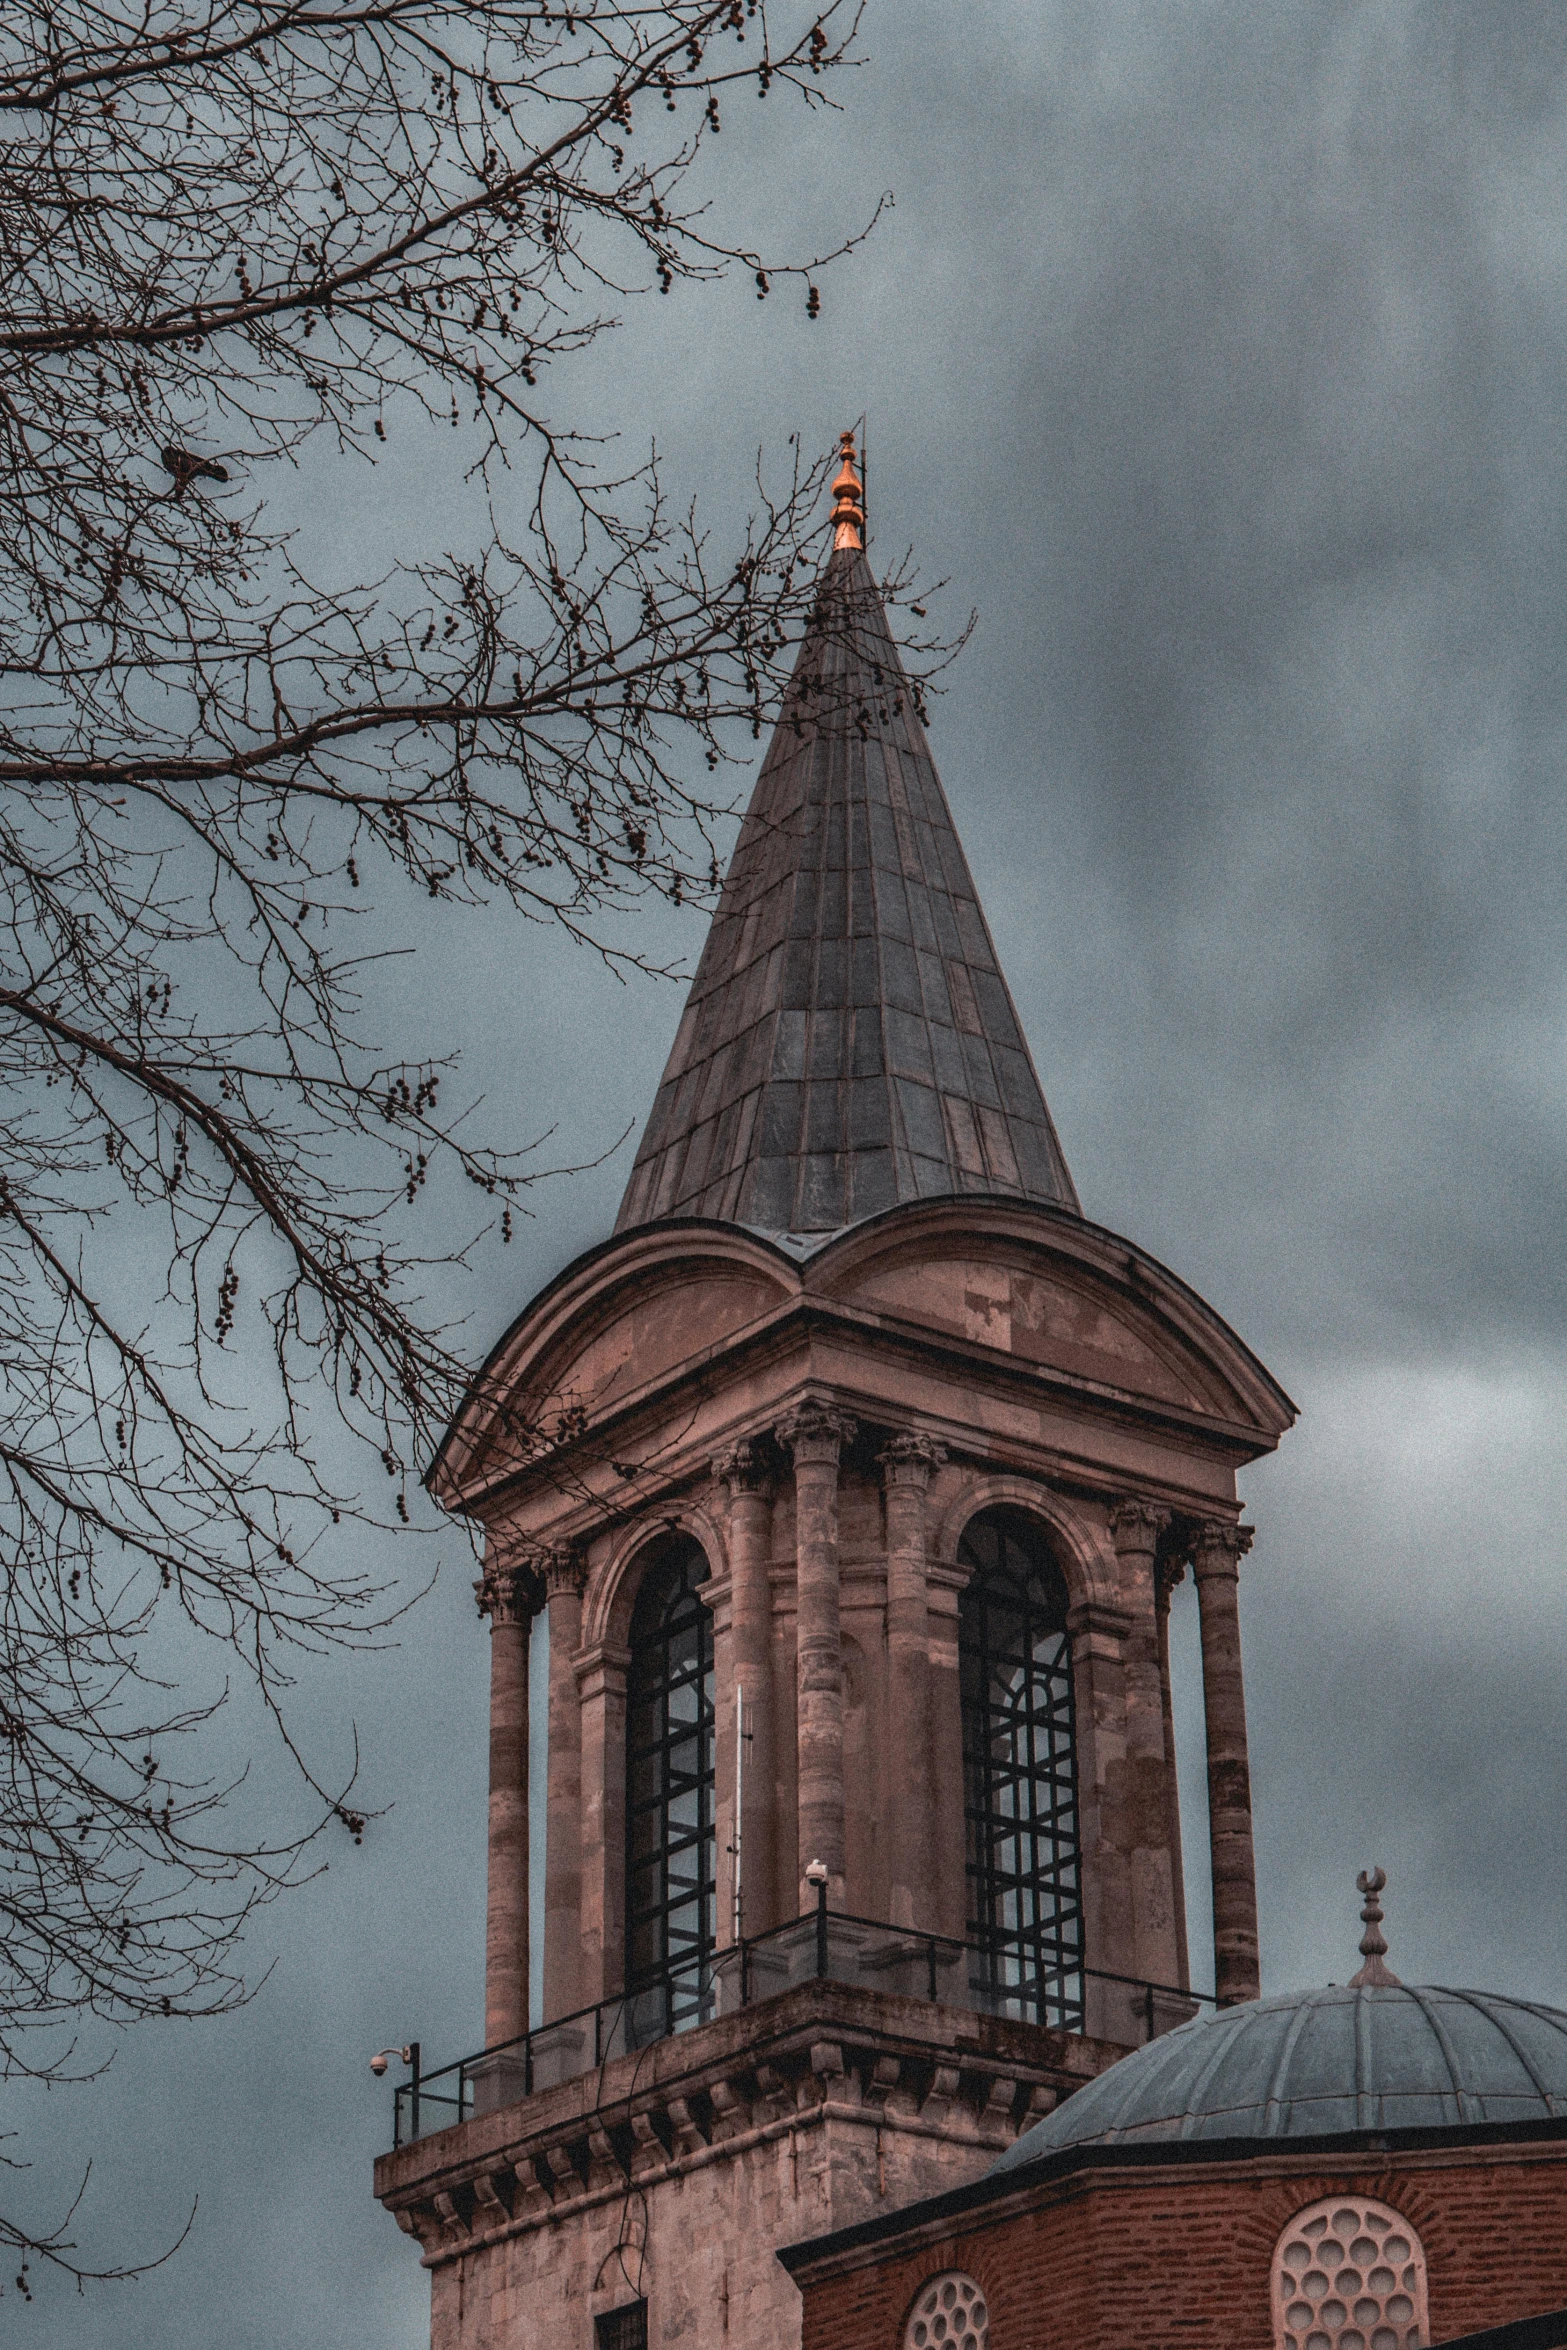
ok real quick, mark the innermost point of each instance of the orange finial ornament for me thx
(848, 500)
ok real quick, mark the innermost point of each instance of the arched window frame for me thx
(1022, 1840)
(1349, 2271)
(671, 1892)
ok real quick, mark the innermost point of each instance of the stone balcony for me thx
(887, 2087)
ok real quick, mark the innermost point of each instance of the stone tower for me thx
(853, 1473)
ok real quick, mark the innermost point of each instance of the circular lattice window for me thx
(950, 2314)
(1349, 2275)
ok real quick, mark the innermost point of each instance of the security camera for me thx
(383, 2056)
(816, 1872)
(378, 2063)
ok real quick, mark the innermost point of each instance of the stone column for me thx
(816, 1435)
(1098, 1631)
(564, 1575)
(744, 1475)
(601, 1696)
(1216, 1557)
(1168, 1572)
(948, 1858)
(1135, 1528)
(907, 1464)
(509, 1595)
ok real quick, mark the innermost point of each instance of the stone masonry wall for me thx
(698, 2244)
(676, 2173)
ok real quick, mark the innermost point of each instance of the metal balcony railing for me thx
(824, 1945)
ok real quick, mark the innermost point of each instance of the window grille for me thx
(622, 2329)
(948, 2314)
(671, 1845)
(1349, 2274)
(1025, 1908)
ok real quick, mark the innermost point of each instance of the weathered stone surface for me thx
(905, 1322)
(677, 2172)
(1215, 1563)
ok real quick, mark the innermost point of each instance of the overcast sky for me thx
(1216, 354)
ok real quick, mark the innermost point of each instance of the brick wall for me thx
(1178, 2258)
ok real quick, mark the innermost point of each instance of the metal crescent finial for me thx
(1374, 1975)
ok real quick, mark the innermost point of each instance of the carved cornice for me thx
(743, 1469)
(857, 2074)
(1218, 1548)
(510, 1591)
(815, 1433)
(911, 1459)
(1136, 1525)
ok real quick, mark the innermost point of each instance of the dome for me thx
(1315, 2062)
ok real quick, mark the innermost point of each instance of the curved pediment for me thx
(1041, 1316)
(670, 1303)
(1055, 1293)
(681, 1313)
(616, 1323)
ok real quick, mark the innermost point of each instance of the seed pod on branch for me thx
(210, 767)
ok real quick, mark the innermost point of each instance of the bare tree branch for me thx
(227, 795)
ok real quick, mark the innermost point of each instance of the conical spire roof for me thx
(849, 1041)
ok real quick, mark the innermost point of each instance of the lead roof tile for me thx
(847, 861)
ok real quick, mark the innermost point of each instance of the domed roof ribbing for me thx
(1317, 2062)
(849, 1042)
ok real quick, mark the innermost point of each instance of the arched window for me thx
(671, 1857)
(948, 2314)
(1349, 2274)
(1025, 1907)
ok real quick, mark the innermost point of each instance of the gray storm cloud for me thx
(1216, 354)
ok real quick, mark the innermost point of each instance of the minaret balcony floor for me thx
(820, 2039)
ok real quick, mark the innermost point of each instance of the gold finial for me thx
(1373, 1944)
(848, 494)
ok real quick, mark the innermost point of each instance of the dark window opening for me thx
(671, 1843)
(1025, 1905)
(622, 2329)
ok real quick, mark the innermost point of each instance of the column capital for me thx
(742, 1468)
(1217, 1550)
(911, 1460)
(1136, 1525)
(1169, 1573)
(565, 1571)
(511, 1590)
(815, 1431)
